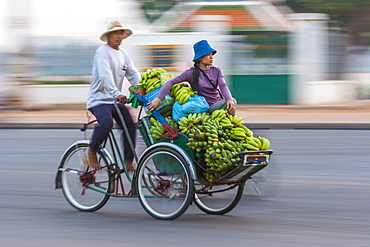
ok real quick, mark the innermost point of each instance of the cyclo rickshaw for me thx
(168, 178)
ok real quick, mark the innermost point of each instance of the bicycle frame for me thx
(116, 153)
(115, 161)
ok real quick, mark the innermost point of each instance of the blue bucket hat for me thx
(202, 48)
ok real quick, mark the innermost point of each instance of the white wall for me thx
(308, 54)
(329, 92)
(46, 95)
(362, 86)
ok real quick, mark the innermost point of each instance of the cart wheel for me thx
(164, 186)
(218, 199)
(84, 189)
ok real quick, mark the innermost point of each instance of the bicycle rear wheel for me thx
(164, 185)
(218, 199)
(84, 189)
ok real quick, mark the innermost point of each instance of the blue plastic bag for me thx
(195, 104)
(177, 112)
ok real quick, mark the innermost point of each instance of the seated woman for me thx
(206, 79)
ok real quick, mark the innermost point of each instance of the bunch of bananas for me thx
(157, 130)
(240, 132)
(190, 124)
(174, 125)
(256, 143)
(181, 92)
(151, 79)
(231, 121)
(176, 87)
(227, 120)
(265, 143)
(219, 115)
(236, 121)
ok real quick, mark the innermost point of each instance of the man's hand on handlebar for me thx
(122, 99)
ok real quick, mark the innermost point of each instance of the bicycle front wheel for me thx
(218, 199)
(84, 189)
(164, 185)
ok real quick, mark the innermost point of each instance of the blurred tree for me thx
(154, 9)
(351, 16)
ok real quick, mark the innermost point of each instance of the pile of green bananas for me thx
(151, 79)
(218, 158)
(157, 130)
(218, 141)
(214, 142)
(204, 134)
(181, 92)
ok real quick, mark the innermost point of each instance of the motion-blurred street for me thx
(319, 198)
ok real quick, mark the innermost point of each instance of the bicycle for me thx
(168, 177)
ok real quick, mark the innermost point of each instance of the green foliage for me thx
(154, 9)
(351, 16)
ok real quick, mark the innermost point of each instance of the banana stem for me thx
(200, 135)
(215, 155)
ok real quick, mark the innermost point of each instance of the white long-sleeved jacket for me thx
(110, 67)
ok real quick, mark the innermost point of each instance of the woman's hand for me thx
(152, 105)
(231, 106)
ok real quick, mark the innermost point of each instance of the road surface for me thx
(320, 178)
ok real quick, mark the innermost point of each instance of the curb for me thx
(267, 126)
(310, 126)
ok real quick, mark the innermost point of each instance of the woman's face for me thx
(206, 61)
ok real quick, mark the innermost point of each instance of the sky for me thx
(76, 18)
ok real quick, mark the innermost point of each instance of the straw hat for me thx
(115, 26)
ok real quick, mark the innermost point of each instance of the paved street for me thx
(321, 198)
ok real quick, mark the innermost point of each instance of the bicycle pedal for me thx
(114, 169)
(88, 178)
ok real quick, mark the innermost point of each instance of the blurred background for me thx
(272, 52)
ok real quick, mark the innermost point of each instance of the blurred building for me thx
(269, 54)
(252, 39)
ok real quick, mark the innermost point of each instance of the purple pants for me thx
(105, 113)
